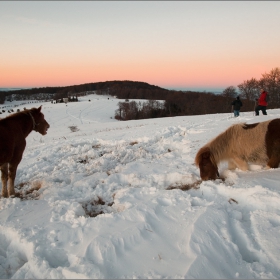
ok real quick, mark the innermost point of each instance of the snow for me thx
(103, 200)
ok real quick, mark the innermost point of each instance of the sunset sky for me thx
(184, 44)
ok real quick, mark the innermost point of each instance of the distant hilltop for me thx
(83, 87)
(101, 86)
(119, 89)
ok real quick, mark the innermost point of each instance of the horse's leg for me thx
(13, 164)
(241, 164)
(274, 160)
(4, 179)
(11, 177)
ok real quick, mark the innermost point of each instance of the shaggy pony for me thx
(239, 145)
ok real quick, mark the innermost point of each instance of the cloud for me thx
(30, 21)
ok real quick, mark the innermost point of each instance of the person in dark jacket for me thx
(262, 103)
(236, 105)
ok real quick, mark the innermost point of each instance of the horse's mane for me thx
(16, 114)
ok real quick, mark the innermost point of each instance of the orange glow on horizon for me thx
(192, 44)
(164, 74)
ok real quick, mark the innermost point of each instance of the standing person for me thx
(236, 105)
(262, 103)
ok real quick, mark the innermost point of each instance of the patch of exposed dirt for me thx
(97, 207)
(28, 190)
(185, 187)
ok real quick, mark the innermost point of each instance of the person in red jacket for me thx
(262, 103)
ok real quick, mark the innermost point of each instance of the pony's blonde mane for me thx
(217, 146)
(221, 144)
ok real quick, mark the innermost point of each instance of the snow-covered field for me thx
(102, 199)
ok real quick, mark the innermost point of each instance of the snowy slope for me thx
(102, 199)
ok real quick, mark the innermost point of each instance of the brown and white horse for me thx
(13, 131)
(239, 145)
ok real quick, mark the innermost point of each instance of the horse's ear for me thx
(39, 109)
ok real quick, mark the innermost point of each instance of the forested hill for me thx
(102, 87)
(121, 89)
(176, 103)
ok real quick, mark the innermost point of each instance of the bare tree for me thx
(230, 92)
(271, 82)
(249, 89)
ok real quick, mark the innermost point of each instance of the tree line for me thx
(181, 103)
(250, 89)
(173, 103)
